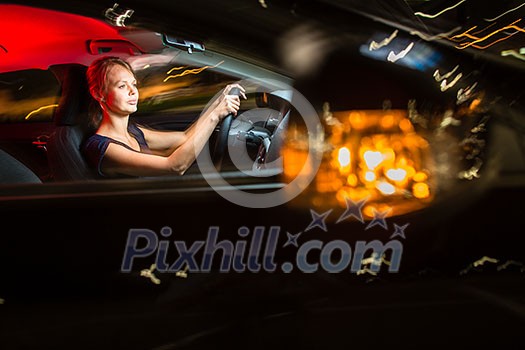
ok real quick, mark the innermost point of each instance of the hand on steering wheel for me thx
(221, 142)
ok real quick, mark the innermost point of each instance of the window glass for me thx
(28, 96)
(178, 88)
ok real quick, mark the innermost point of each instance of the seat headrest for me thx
(75, 98)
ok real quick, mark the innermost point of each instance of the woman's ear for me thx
(100, 99)
(98, 96)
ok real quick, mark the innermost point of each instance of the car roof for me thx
(36, 38)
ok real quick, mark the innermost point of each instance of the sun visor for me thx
(112, 46)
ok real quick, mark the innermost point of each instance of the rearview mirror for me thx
(183, 44)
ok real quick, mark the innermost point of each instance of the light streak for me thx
(427, 37)
(480, 39)
(366, 270)
(464, 94)
(439, 77)
(115, 15)
(481, 126)
(500, 267)
(473, 172)
(190, 71)
(477, 263)
(393, 57)
(329, 116)
(445, 86)
(176, 68)
(449, 120)
(414, 116)
(494, 42)
(375, 45)
(39, 109)
(509, 263)
(182, 273)
(148, 273)
(514, 53)
(374, 259)
(483, 260)
(465, 33)
(503, 14)
(484, 29)
(472, 140)
(421, 14)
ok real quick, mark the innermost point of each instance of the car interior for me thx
(55, 155)
(14, 171)
(66, 163)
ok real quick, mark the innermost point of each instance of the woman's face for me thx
(121, 93)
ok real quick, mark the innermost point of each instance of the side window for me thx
(28, 96)
(178, 88)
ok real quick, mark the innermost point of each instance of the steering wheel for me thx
(221, 142)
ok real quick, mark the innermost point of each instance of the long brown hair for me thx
(97, 83)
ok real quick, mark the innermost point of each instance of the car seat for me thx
(71, 128)
(14, 171)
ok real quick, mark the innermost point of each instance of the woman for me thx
(121, 148)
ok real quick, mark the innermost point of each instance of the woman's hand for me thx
(226, 103)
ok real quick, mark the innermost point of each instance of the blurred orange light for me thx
(421, 190)
(352, 180)
(357, 120)
(344, 156)
(372, 159)
(370, 176)
(405, 125)
(386, 188)
(372, 154)
(396, 174)
(474, 104)
(420, 176)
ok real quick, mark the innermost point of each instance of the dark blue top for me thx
(94, 148)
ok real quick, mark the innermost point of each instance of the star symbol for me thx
(292, 239)
(379, 219)
(353, 209)
(318, 220)
(399, 231)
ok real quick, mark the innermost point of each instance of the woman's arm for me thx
(163, 142)
(187, 145)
